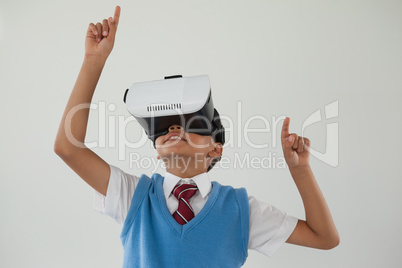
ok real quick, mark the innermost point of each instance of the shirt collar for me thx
(202, 181)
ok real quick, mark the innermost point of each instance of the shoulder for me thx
(239, 193)
(152, 177)
(229, 187)
(117, 172)
(146, 180)
(155, 177)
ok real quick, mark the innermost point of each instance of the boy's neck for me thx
(185, 173)
(184, 166)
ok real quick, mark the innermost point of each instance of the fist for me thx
(100, 38)
(295, 149)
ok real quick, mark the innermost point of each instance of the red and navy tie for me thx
(183, 193)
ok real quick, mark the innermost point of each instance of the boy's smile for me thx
(197, 151)
(174, 136)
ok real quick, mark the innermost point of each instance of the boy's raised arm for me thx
(69, 143)
(318, 230)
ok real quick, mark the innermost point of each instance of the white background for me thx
(276, 58)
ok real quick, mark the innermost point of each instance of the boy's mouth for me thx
(174, 137)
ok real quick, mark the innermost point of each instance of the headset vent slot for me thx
(163, 107)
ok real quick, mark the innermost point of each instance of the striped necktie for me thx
(183, 193)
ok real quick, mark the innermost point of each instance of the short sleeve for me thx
(118, 197)
(269, 227)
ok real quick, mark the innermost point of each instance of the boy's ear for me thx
(217, 151)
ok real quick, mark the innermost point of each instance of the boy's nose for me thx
(174, 127)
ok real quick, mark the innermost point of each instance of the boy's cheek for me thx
(159, 140)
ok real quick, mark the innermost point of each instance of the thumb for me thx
(290, 140)
(288, 144)
(112, 29)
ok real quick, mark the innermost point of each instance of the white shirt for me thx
(269, 226)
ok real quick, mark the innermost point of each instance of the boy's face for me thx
(180, 143)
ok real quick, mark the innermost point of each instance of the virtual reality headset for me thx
(185, 101)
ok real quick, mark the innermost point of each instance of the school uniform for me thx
(223, 216)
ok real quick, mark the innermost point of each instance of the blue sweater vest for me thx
(216, 237)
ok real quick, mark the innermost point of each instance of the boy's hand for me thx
(100, 38)
(296, 150)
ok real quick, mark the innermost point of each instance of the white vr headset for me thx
(185, 101)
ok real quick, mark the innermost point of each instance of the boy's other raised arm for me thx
(69, 143)
(318, 230)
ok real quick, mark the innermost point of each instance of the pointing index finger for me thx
(285, 128)
(116, 15)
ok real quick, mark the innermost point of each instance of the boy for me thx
(182, 219)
